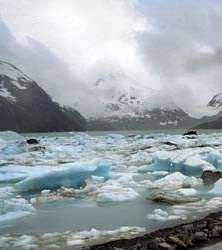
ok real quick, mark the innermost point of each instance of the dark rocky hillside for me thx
(214, 122)
(25, 107)
(155, 119)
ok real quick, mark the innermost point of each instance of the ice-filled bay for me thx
(85, 186)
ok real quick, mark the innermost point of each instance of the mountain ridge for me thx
(215, 122)
(25, 107)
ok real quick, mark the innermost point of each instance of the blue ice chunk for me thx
(69, 175)
(187, 165)
(11, 136)
(13, 149)
(215, 158)
(11, 143)
(16, 173)
(217, 190)
(115, 136)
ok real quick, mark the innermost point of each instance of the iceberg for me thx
(94, 235)
(68, 175)
(217, 190)
(161, 215)
(176, 181)
(13, 208)
(112, 191)
(185, 161)
(15, 173)
(11, 136)
(215, 158)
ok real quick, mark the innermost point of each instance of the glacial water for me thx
(79, 188)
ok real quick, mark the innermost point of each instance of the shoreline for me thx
(198, 234)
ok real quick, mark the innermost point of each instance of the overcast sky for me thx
(170, 45)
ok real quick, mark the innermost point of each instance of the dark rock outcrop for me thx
(173, 199)
(216, 101)
(190, 133)
(32, 141)
(210, 177)
(215, 124)
(154, 119)
(25, 107)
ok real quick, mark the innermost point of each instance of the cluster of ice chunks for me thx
(12, 206)
(181, 167)
(11, 143)
(185, 161)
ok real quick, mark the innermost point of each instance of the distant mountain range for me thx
(133, 107)
(25, 107)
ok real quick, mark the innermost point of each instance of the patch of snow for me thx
(14, 74)
(6, 94)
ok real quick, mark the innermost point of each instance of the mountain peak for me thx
(216, 101)
(25, 107)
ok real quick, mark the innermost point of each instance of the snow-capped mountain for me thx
(120, 95)
(214, 122)
(216, 102)
(131, 106)
(25, 107)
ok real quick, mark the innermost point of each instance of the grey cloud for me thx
(183, 30)
(42, 64)
(182, 51)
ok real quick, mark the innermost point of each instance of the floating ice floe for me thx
(68, 239)
(68, 175)
(174, 198)
(161, 215)
(12, 207)
(112, 191)
(15, 173)
(214, 157)
(174, 181)
(10, 136)
(188, 191)
(94, 236)
(185, 161)
(217, 190)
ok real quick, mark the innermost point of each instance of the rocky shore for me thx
(194, 235)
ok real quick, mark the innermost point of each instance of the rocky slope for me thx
(215, 122)
(25, 107)
(216, 101)
(154, 119)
